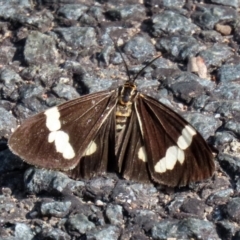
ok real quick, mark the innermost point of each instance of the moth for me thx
(119, 130)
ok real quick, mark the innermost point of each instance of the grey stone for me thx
(173, 3)
(133, 11)
(180, 47)
(8, 83)
(139, 47)
(23, 232)
(108, 233)
(65, 91)
(229, 72)
(220, 196)
(40, 48)
(79, 223)
(114, 214)
(55, 234)
(186, 229)
(37, 180)
(78, 37)
(72, 11)
(56, 209)
(232, 3)
(172, 22)
(216, 55)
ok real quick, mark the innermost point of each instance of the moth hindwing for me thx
(121, 130)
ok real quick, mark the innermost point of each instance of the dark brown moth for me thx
(121, 130)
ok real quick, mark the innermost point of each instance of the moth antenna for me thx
(124, 62)
(148, 64)
(126, 66)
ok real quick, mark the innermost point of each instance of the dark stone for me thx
(206, 16)
(233, 209)
(193, 206)
(229, 163)
(226, 229)
(10, 162)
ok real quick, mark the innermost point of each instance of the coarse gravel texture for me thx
(56, 50)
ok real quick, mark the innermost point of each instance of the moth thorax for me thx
(127, 93)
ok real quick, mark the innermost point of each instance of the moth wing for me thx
(60, 136)
(177, 153)
(132, 158)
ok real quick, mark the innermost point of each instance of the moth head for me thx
(127, 93)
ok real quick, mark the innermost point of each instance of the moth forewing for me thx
(60, 136)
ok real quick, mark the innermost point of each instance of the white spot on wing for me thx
(160, 167)
(57, 136)
(61, 140)
(168, 162)
(171, 157)
(92, 147)
(51, 137)
(52, 119)
(181, 156)
(191, 130)
(142, 154)
(68, 152)
(185, 140)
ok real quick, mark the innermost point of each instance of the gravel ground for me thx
(56, 50)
